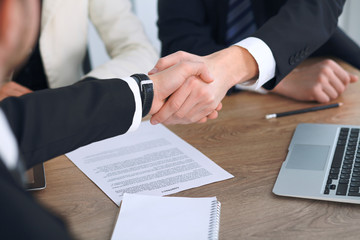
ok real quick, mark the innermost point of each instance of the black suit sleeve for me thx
(188, 26)
(52, 122)
(341, 46)
(298, 30)
(49, 123)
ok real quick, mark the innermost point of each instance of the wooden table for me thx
(248, 146)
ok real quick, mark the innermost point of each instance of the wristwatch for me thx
(146, 92)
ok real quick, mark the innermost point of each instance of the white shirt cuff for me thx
(8, 145)
(138, 105)
(251, 88)
(263, 57)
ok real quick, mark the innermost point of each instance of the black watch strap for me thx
(146, 92)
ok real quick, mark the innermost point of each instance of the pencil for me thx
(305, 110)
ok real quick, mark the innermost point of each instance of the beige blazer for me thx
(64, 32)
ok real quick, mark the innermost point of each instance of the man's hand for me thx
(13, 89)
(169, 80)
(196, 101)
(322, 82)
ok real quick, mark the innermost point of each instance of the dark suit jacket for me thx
(49, 123)
(292, 29)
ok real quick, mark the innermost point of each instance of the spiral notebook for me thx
(152, 217)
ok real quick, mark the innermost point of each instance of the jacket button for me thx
(307, 50)
(302, 53)
(292, 60)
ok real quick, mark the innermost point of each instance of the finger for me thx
(185, 109)
(172, 105)
(22, 90)
(213, 115)
(201, 117)
(340, 72)
(15, 87)
(172, 121)
(336, 83)
(190, 112)
(196, 107)
(198, 112)
(172, 59)
(219, 107)
(197, 103)
(321, 96)
(14, 93)
(330, 91)
(153, 71)
(189, 69)
(353, 78)
(204, 120)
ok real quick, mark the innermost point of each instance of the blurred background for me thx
(146, 10)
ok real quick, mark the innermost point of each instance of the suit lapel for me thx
(48, 12)
(49, 8)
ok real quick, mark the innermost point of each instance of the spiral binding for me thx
(214, 223)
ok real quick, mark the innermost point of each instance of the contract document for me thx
(152, 161)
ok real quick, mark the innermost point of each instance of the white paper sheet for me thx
(151, 160)
(156, 218)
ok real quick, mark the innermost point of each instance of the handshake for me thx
(189, 88)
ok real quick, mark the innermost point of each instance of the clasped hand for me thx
(196, 99)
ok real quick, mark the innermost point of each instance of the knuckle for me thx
(193, 119)
(160, 62)
(334, 95)
(179, 115)
(346, 80)
(341, 88)
(326, 70)
(203, 120)
(174, 105)
(181, 54)
(204, 93)
(328, 62)
(211, 100)
(322, 79)
(194, 82)
(185, 65)
(321, 100)
(157, 118)
(208, 111)
(315, 91)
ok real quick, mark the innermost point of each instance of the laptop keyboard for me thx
(344, 175)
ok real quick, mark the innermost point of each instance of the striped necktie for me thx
(240, 21)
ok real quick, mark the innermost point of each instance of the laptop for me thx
(323, 162)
